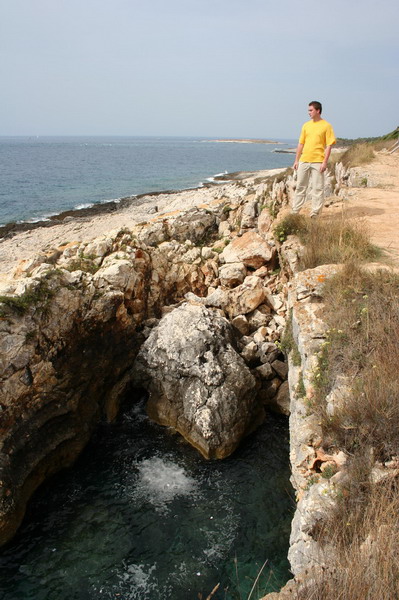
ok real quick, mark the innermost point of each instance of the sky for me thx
(211, 68)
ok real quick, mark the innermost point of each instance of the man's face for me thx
(313, 112)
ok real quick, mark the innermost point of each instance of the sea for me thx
(44, 176)
(142, 516)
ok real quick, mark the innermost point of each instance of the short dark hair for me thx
(317, 105)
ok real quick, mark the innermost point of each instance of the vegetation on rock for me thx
(361, 310)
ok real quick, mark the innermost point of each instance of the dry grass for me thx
(337, 241)
(335, 158)
(328, 242)
(367, 567)
(361, 310)
(362, 313)
(358, 154)
(361, 153)
(383, 145)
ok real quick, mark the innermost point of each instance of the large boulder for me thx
(250, 249)
(198, 383)
(246, 297)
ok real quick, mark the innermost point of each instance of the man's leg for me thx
(303, 174)
(317, 180)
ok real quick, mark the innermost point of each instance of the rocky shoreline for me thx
(93, 307)
(126, 203)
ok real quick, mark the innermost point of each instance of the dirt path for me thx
(377, 204)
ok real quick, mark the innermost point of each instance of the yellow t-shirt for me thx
(315, 136)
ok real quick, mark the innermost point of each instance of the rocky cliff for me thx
(73, 320)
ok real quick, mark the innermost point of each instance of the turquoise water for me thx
(142, 516)
(40, 177)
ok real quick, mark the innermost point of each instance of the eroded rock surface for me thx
(198, 383)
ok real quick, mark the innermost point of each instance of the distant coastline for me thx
(244, 141)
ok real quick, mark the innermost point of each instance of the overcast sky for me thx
(225, 68)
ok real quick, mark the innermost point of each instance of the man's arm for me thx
(327, 153)
(298, 155)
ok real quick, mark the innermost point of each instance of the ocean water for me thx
(44, 176)
(142, 516)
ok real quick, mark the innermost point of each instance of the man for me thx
(312, 154)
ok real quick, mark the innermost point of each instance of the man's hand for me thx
(297, 156)
(327, 153)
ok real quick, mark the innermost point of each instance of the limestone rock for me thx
(282, 399)
(249, 352)
(232, 274)
(292, 250)
(268, 352)
(264, 223)
(259, 317)
(154, 234)
(246, 297)
(265, 371)
(207, 253)
(248, 214)
(260, 335)
(250, 249)
(119, 274)
(198, 383)
(312, 508)
(309, 284)
(224, 229)
(281, 368)
(270, 388)
(193, 225)
(275, 301)
(241, 324)
(98, 248)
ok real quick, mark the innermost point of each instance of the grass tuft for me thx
(358, 154)
(334, 241)
(290, 225)
(367, 565)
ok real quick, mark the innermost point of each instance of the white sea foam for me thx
(116, 200)
(161, 480)
(38, 220)
(81, 206)
(137, 582)
(214, 180)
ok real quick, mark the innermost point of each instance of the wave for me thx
(33, 220)
(82, 206)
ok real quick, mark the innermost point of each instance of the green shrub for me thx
(34, 295)
(290, 225)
